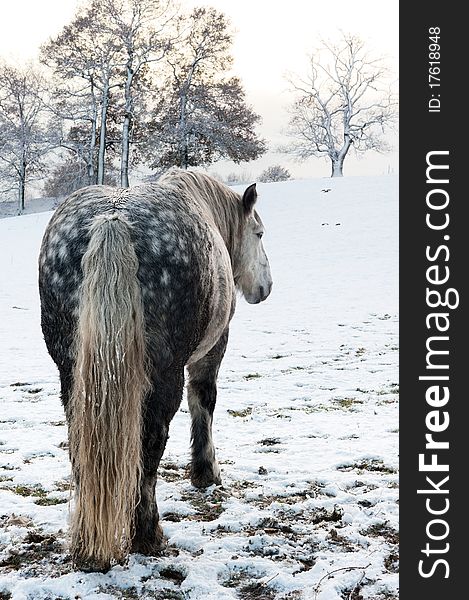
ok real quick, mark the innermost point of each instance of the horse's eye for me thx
(260, 234)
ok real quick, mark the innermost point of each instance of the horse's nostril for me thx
(261, 291)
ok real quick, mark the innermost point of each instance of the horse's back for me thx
(174, 244)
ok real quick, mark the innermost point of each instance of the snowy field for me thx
(306, 424)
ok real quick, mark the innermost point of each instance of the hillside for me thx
(306, 424)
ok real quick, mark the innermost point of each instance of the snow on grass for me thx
(305, 425)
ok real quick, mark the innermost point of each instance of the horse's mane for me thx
(224, 204)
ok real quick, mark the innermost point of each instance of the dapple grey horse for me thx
(135, 285)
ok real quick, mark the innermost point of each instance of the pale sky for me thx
(272, 39)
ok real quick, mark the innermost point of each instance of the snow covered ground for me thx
(306, 424)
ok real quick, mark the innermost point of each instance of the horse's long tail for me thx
(110, 382)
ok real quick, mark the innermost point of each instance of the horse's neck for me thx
(226, 219)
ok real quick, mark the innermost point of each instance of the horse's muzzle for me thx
(263, 293)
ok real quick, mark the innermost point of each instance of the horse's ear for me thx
(249, 198)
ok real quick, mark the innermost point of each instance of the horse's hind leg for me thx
(202, 396)
(160, 407)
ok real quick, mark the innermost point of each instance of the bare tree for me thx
(341, 104)
(86, 61)
(23, 138)
(74, 124)
(202, 114)
(274, 173)
(101, 62)
(140, 28)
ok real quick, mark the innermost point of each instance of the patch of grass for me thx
(256, 591)
(237, 488)
(173, 517)
(237, 577)
(4, 595)
(34, 390)
(37, 492)
(171, 472)
(25, 491)
(306, 564)
(347, 402)
(173, 574)
(272, 526)
(270, 441)
(339, 540)
(352, 593)
(392, 389)
(314, 490)
(38, 546)
(391, 562)
(208, 507)
(63, 485)
(244, 412)
(252, 376)
(130, 593)
(373, 465)
(50, 501)
(382, 530)
(13, 562)
(165, 594)
(364, 487)
(384, 594)
(19, 384)
(308, 409)
(321, 515)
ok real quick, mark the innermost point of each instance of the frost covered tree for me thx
(23, 135)
(201, 114)
(141, 30)
(341, 104)
(101, 65)
(85, 62)
(274, 173)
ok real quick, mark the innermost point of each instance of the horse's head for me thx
(253, 276)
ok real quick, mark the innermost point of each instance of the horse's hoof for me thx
(153, 547)
(205, 480)
(91, 565)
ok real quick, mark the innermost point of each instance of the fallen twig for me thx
(328, 575)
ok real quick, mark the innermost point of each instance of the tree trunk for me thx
(22, 186)
(337, 167)
(338, 158)
(126, 130)
(183, 150)
(125, 152)
(91, 148)
(102, 133)
(185, 164)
